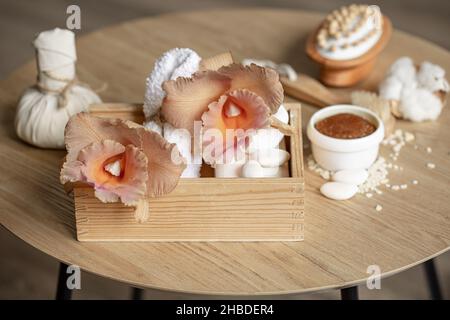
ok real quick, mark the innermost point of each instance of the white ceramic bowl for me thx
(339, 154)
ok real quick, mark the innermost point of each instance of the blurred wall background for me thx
(27, 273)
(20, 20)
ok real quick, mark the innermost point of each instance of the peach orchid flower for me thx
(232, 97)
(121, 160)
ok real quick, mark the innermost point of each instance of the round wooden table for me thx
(342, 239)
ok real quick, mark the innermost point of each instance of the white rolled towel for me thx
(177, 62)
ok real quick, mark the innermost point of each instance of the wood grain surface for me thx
(344, 238)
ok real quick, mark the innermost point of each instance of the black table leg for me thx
(62, 292)
(433, 281)
(137, 294)
(350, 293)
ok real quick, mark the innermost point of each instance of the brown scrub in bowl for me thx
(345, 126)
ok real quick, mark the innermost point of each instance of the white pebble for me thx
(369, 195)
(274, 172)
(271, 157)
(378, 207)
(356, 177)
(252, 169)
(431, 165)
(338, 190)
(395, 187)
(403, 186)
(415, 182)
(429, 150)
(228, 170)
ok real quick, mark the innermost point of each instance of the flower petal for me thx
(135, 176)
(84, 129)
(262, 81)
(71, 171)
(187, 98)
(165, 163)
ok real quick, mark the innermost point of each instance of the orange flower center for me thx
(113, 169)
(235, 115)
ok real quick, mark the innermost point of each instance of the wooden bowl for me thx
(345, 73)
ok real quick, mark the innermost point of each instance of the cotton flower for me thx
(391, 88)
(419, 105)
(415, 91)
(432, 77)
(404, 70)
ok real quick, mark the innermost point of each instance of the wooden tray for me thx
(202, 209)
(346, 73)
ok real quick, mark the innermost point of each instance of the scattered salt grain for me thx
(429, 150)
(415, 182)
(369, 195)
(397, 148)
(325, 174)
(378, 207)
(431, 165)
(409, 137)
(403, 186)
(395, 187)
(377, 176)
(315, 167)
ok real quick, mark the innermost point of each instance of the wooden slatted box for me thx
(206, 208)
